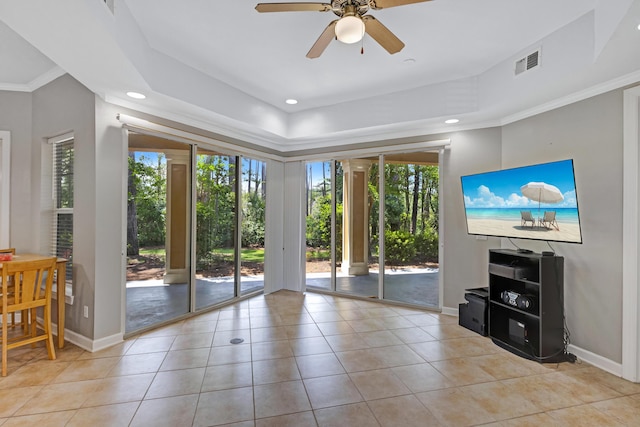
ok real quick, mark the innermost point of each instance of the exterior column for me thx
(355, 218)
(177, 220)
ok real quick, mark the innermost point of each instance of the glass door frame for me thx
(192, 217)
(237, 273)
(174, 276)
(381, 218)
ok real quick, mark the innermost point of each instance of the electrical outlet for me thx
(86, 311)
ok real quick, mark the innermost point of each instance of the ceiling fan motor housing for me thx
(350, 7)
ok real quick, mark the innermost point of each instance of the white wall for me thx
(274, 233)
(294, 226)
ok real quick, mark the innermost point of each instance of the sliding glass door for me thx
(171, 185)
(216, 199)
(358, 237)
(254, 196)
(319, 207)
(345, 226)
(411, 232)
(158, 231)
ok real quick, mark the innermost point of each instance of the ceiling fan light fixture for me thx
(350, 29)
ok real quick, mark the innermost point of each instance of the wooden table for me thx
(61, 273)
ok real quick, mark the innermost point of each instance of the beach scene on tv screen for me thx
(532, 202)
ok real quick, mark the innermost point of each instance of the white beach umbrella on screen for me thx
(541, 192)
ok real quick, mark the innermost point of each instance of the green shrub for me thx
(399, 247)
(426, 245)
(319, 223)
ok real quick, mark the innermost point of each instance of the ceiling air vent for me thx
(528, 62)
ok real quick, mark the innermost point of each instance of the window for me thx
(62, 219)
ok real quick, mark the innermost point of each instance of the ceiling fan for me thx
(351, 24)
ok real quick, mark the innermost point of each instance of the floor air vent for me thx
(528, 62)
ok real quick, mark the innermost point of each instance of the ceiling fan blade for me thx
(384, 4)
(323, 41)
(382, 34)
(293, 7)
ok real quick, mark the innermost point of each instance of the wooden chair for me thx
(28, 295)
(11, 251)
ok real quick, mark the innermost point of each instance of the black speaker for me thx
(522, 301)
(510, 297)
(525, 302)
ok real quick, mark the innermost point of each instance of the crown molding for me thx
(599, 89)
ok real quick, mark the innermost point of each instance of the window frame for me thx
(51, 211)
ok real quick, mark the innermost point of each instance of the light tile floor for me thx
(309, 360)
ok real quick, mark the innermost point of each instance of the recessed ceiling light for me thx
(136, 95)
(451, 121)
(409, 61)
(638, 26)
(291, 101)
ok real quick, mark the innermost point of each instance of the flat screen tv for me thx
(536, 202)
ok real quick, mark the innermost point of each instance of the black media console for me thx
(526, 304)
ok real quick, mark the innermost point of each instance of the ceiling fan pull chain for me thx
(362, 46)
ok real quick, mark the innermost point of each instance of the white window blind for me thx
(62, 230)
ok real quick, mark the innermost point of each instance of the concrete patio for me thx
(151, 302)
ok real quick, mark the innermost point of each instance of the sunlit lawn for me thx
(152, 251)
(249, 255)
(318, 254)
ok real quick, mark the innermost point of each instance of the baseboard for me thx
(450, 311)
(107, 342)
(591, 358)
(596, 360)
(77, 339)
(87, 343)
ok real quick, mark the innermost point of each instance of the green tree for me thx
(215, 205)
(319, 223)
(411, 212)
(253, 208)
(429, 196)
(148, 192)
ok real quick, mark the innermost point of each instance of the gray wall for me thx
(465, 257)
(59, 107)
(111, 176)
(15, 117)
(590, 132)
